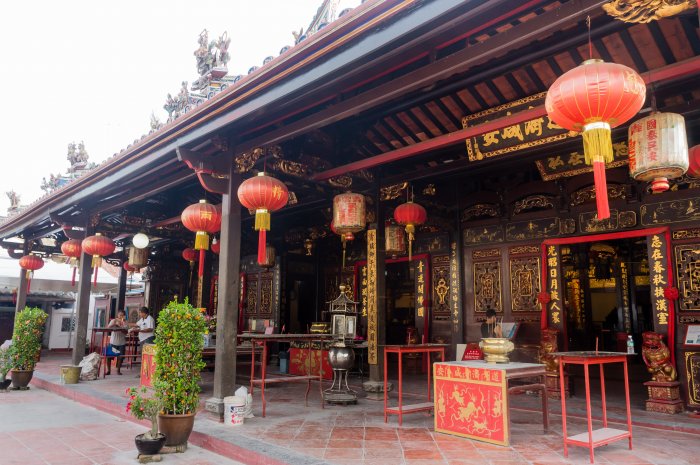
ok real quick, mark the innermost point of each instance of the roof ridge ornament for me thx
(646, 11)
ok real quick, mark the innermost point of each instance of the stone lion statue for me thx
(657, 357)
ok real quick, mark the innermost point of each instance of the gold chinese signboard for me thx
(421, 286)
(555, 303)
(372, 355)
(625, 288)
(454, 286)
(538, 131)
(573, 164)
(363, 291)
(659, 280)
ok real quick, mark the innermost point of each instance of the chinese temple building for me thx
(442, 105)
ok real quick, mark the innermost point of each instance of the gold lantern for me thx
(394, 239)
(658, 149)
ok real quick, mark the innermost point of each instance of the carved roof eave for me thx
(163, 142)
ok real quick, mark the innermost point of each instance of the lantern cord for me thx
(653, 99)
(344, 252)
(262, 249)
(72, 282)
(590, 43)
(202, 256)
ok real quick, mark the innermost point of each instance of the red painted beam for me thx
(670, 72)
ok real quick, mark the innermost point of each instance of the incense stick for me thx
(596, 345)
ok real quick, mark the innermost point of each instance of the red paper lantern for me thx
(72, 249)
(694, 161)
(204, 219)
(658, 149)
(30, 263)
(98, 246)
(593, 98)
(190, 255)
(264, 194)
(410, 215)
(216, 246)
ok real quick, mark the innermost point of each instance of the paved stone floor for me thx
(39, 428)
(357, 435)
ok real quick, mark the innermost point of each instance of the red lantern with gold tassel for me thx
(30, 263)
(344, 239)
(98, 246)
(263, 194)
(204, 219)
(191, 256)
(593, 98)
(72, 249)
(410, 215)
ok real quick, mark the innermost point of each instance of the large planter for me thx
(149, 446)
(21, 378)
(177, 428)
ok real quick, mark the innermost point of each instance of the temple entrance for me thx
(400, 302)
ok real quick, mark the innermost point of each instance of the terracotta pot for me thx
(21, 378)
(149, 446)
(177, 428)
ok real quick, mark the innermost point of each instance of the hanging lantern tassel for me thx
(30, 274)
(96, 263)
(344, 241)
(262, 225)
(410, 230)
(597, 148)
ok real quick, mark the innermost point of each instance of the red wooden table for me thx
(401, 409)
(263, 340)
(601, 436)
(100, 345)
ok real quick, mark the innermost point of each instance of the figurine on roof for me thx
(14, 200)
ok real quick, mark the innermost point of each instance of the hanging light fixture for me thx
(204, 219)
(348, 216)
(394, 239)
(410, 215)
(140, 240)
(98, 246)
(344, 239)
(72, 249)
(215, 246)
(593, 98)
(138, 257)
(30, 263)
(263, 194)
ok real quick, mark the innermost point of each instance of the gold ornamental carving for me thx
(692, 367)
(292, 168)
(245, 161)
(484, 234)
(441, 287)
(683, 234)
(688, 277)
(486, 253)
(646, 11)
(341, 181)
(525, 283)
(393, 192)
(533, 202)
(573, 164)
(487, 286)
(524, 250)
(441, 290)
(587, 194)
(481, 210)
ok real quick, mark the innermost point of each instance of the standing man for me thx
(145, 327)
(490, 327)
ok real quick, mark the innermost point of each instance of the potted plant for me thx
(5, 365)
(179, 342)
(146, 408)
(26, 344)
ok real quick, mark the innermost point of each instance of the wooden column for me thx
(22, 288)
(82, 305)
(229, 288)
(121, 292)
(456, 261)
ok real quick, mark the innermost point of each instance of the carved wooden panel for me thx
(265, 306)
(525, 283)
(252, 296)
(441, 287)
(483, 235)
(688, 276)
(672, 211)
(487, 286)
(692, 367)
(683, 234)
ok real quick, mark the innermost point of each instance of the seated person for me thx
(490, 327)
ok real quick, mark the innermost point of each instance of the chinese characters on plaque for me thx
(421, 286)
(659, 280)
(372, 356)
(553, 288)
(454, 286)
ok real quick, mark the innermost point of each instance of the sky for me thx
(93, 71)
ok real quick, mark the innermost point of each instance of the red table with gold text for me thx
(471, 397)
(601, 436)
(400, 350)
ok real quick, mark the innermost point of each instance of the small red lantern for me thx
(72, 249)
(394, 239)
(216, 246)
(129, 268)
(410, 215)
(204, 219)
(31, 263)
(190, 255)
(98, 246)
(658, 149)
(593, 98)
(344, 239)
(264, 194)
(694, 161)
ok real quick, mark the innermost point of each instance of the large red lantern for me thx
(98, 246)
(344, 239)
(410, 215)
(204, 219)
(30, 263)
(593, 98)
(694, 161)
(658, 149)
(394, 239)
(72, 249)
(263, 194)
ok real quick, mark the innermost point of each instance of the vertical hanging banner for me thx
(656, 248)
(421, 285)
(553, 287)
(625, 289)
(454, 287)
(372, 353)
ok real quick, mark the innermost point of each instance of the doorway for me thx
(400, 302)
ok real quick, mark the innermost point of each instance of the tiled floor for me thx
(39, 427)
(293, 433)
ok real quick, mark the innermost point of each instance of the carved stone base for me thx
(215, 407)
(375, 389)
(552, 384)
(664, 397)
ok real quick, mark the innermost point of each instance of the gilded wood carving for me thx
(672, 211)
(525, 283)
(487, 286)
(441, 287)
(692, 369)
(645, 11)
(688, 277)
(683, 234)
(484, 234)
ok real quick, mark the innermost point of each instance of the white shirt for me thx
(117, 338)
(146, 323)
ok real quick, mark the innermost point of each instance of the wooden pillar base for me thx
(552, 384)
(664, 397)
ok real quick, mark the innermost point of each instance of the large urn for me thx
(496, 349)
(341, 358)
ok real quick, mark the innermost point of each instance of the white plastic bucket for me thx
(234, 410)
